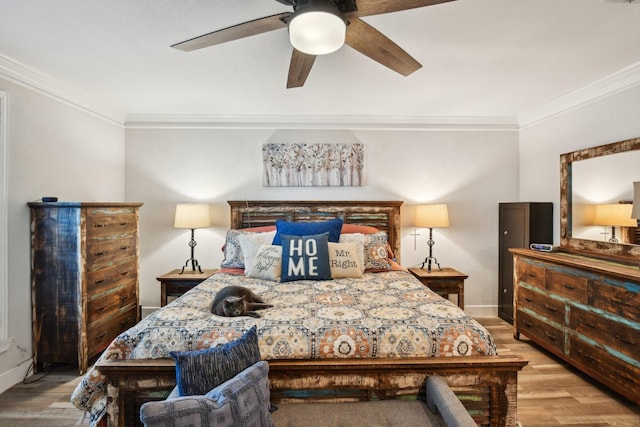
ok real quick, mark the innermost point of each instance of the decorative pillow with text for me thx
(267, 264)
(343, 260)
(305, 257)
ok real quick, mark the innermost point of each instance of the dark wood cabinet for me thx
(520, 224)
(84, 278)
(583, 309)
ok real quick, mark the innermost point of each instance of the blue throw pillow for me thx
(333, 227)
(305, 257)
(199, 371)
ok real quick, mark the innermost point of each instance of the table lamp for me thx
(614, 215)
(192, 215)
(431, 216)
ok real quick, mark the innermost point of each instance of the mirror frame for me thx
(566, 164)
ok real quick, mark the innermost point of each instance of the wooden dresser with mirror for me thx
(582, 301)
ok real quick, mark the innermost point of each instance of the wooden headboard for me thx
(384, 215)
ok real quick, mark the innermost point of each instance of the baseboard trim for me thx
(13, 376)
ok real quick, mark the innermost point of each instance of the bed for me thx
(346, 339)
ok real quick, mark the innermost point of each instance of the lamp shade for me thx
(317, 27)
(635, 212)
(616, 214)
(192, 215)
(432, 216)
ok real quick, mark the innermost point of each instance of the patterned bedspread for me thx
(388, 314)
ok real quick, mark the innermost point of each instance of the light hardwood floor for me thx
(550, 393)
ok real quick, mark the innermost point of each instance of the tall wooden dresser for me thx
(583, 309)
(84, 278)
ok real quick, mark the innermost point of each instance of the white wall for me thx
(53, 149)
(608, 119)
(472, 171)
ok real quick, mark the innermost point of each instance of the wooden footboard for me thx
(487, 385)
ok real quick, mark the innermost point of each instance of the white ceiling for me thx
(501, 59)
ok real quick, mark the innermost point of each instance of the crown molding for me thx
(621, 80)
(31, 79)
(351, 122)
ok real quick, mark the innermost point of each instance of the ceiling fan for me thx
(318, 27)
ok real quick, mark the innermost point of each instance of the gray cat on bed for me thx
(235, 301)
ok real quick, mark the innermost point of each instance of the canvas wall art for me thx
(312, 165)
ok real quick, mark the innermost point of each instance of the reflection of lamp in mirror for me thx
(613, 215)
(192, 215)
(431, 216)
(635, 212)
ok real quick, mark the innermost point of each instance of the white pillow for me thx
(344, 260)
(251, 242)
(267, 264)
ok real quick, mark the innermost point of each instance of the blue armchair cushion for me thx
(199, 371)
(244, 400)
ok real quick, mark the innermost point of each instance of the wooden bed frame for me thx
(487, 385)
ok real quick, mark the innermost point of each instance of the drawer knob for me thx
(102, 335)
(589, 325)
(550, 336)
(100, 253)
(527, 299)
(552, 309)
(99, 309)
(569, 287)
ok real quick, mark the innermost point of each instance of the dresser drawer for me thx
(621, 376)
(101, 334)
(107, 278)
(541, 304)
(568, 285)
(532, 274)
(617, 300)
(616, 335)
(105, 225)
(110, 303)
(538, 330)
(104, 253)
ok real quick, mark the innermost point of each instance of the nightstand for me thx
(175, 284)
(444, 282)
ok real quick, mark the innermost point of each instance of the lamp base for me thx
(194, 265)
(428, 261)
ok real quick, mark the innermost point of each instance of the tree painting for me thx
(312, 165)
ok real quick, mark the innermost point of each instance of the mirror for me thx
(598, 175)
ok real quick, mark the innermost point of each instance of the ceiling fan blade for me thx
(376, 7)
(299, 68)
(235, 32)
(372, 43)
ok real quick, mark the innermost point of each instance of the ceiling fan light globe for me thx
(317, 33)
